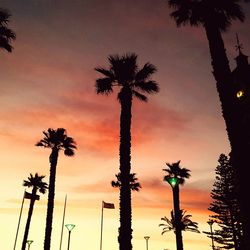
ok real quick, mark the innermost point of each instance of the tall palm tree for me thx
(56, 140)
(216, 17)
(186, 223)
(123, 72)
(176, 171)
(133, 181)
(6, 34)
(37, 184)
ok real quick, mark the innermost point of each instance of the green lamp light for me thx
(173, 181)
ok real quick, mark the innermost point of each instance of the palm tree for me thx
(186, 223)
(56, 140)
(216, 17)
(133, 181)
(6, 34)
(37, 185)
(175, 171)
(123, 72)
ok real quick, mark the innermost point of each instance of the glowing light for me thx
(173, 181)
(240, 94)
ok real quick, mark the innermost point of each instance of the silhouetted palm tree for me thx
(36, 183)
(133, 181)
(6, 34)
(56, 140)
(186, 223)
(123, 72)
(216, 17)
(174, 170)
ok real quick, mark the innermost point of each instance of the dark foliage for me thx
(186, 223)
(6, 34)
(225, 206)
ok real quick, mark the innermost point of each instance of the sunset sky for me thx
(48, 82)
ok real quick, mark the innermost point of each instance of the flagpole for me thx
(19, 220)
(63, 221)
(101, 227)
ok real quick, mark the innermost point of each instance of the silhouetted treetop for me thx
(123, 71)
(58, 139)
(175, 170)
(197, 12)
(6, 34)
(36, 181)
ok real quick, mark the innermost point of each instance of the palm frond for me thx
(143, 74)
(4, 16)
(106, 72)
(69, 152)
(167, 226)
(5, 44)
(115, 184)
(6, 34)
(69, 142)
(104, 86)
(139, 96)
(148, 87)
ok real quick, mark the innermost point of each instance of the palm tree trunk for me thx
(236, 129)
(177, 216)
(222, 75)
(51, 194)
(27, 227)
(125, 230)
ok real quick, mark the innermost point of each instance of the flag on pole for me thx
(108, 205)
(30, 196)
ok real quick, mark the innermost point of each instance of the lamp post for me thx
(174, 183)
(146, 238)
(29, 242)
(70, 228)
(210, 223)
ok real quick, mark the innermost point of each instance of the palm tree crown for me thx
(199, 12)
(174, 170)
(186, 223)
(36, 181)
(6, 34)
(123, 72)
(133, 182)
(58, 139)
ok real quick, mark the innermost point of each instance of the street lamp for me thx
(29, 242)
(146, 238)
(173, 181)
(70, 228)
(210, 223)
